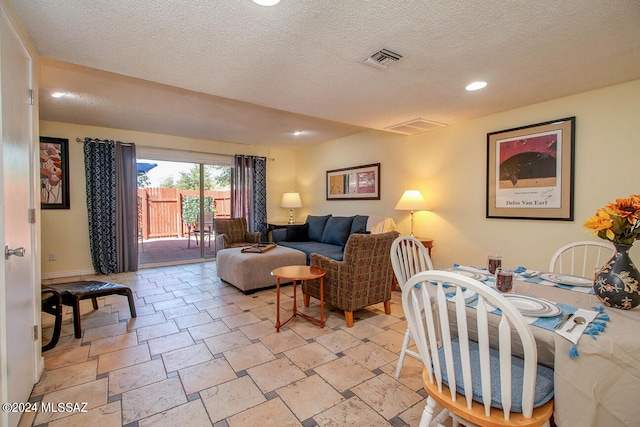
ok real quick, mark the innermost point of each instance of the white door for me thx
(17, 301)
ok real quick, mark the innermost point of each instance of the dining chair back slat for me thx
(445, 335)
(581, 258)
(483, 345)
(504, 332)
(463, 333)
(454, 347)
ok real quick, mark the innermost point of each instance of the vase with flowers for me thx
(617, 283)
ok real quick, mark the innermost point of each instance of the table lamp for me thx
(291, 200)
(412, 201)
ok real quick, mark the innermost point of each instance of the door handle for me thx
(17, 252)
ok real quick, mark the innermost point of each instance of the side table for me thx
(298, 273)
(427, 243)
(277, 225)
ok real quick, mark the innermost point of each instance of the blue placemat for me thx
(526, 275)
(594, 328)
(537, 279)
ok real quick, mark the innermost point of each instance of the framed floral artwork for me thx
(530, 171)
(354, 183)
(54, 173)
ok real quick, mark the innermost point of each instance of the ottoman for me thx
(252, 271)
(72, 293)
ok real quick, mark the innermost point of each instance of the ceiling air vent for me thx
(415, 126)
(383, 58)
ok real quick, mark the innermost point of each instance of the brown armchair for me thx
(232, 233)
(363, 278)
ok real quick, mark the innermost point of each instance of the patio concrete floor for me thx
(154, 251)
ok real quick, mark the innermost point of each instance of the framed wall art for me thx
(530, 171)
(354, 183)
(54, 173)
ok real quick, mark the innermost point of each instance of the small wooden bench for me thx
(52, 304)
(72, 293)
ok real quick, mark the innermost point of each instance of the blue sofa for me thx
(326, 235)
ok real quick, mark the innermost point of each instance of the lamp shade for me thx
(412, 200)
(291, 200)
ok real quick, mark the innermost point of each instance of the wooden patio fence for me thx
(160, 210)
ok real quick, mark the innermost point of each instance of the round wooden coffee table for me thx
(298, 273)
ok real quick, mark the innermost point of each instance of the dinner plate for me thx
(473, 275)
(532, 306)
(567, 279)
(469, 296)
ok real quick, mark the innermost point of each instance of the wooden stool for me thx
(72, 293)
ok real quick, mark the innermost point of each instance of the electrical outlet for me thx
(52, 256)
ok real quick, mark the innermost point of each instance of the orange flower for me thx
(628, 208)
(601, 222)
(618, 222)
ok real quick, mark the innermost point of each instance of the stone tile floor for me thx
(200, 353)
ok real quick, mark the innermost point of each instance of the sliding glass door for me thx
(177, 203)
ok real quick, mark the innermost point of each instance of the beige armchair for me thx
(363, 278)
(232, 233)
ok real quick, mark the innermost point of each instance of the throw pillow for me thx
(297, 233)
(359, 223)
(337, 230)
(316, 226)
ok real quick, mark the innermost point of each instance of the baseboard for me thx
(59, 274)
(177, 262)
(75, 273)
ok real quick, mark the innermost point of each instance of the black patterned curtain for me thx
(249, 192)
(111, 174)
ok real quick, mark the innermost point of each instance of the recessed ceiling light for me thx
(298, 132)
(58, 94)
(266, 2)
(476, 86)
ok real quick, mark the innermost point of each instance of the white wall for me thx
(65, 232)
(448, 166)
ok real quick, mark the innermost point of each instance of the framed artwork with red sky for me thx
(530, 171)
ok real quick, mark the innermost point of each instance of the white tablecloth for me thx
(601, 387)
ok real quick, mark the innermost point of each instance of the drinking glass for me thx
(495, 262)
(504, 280)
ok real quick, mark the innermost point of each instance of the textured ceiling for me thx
(231, 70)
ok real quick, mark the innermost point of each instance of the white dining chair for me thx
(581, 258)
(474, 382)
(408, 257)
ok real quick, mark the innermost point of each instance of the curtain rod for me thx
(170, 149)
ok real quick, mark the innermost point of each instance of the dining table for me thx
(597, 375)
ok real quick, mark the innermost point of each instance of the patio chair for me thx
(474, 382)
(408, 257)
(581, 258)
(194, 229)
